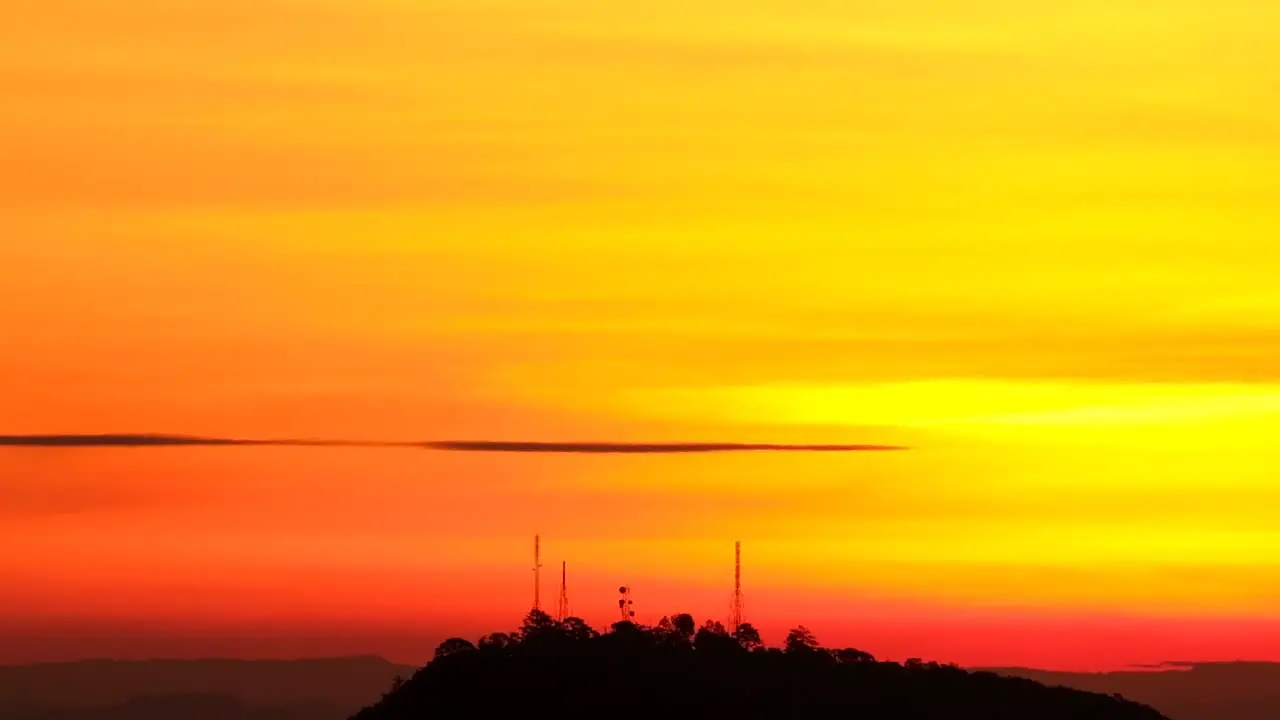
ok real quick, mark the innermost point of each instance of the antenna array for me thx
(537, 567)
(626, 607)
(563, 611)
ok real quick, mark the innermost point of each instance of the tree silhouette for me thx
(577, 629)
(748, 637)
(713, 638)
(664, 627)
(540, 628)
(626, 628)
(800, 639)
(852, 655)
(497, 641)
(453, 646)
(684, 626)
(536, 622)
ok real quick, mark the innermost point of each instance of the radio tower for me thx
(537, 565)
(563, 611)
(735, 618)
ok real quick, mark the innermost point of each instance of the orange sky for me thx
(1033, 240)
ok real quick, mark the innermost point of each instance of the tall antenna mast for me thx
(537, 566)
(563, 611)
(735, 619)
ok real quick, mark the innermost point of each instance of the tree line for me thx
(678, 669)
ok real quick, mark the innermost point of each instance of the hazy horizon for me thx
(372, 562)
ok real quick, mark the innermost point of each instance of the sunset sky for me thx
(1034, 241)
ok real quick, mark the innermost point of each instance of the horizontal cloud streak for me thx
(144, 440)
(147, 440)
(605, 447)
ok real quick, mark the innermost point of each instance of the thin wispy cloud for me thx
(148, 440)
(505, 446)
(607, 447)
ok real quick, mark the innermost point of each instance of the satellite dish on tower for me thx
(625, 602)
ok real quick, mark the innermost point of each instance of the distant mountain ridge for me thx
(342, 683)
(1181, 690)
(323, 688)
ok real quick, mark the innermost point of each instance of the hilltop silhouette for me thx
(677, 670)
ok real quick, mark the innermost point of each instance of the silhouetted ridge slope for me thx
(567, 670)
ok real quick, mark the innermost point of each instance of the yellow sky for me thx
(1036, 240)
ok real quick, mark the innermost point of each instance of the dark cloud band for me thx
(600, 447)
(89, 441)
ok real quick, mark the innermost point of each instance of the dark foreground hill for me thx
(671, 671)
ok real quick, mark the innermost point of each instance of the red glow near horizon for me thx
(1003, 234)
